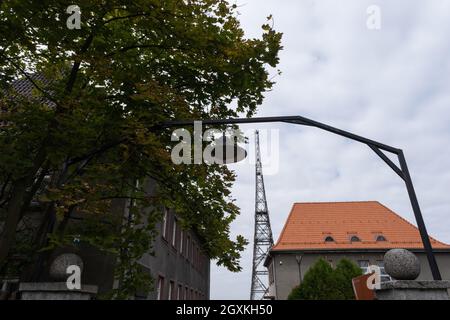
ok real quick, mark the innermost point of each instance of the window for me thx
(364, 265)
(186, 293)
(197, 255)
(354, 239)
(171, 290)
(384, 275)
(188, 243)
(192, 294)
(329, 239)
(164, 224)
(180, 292)
(381, 238)
(202, 262)
(159, 292)
(174, 233)
(194, 255)
(181, 240)
(271, 278)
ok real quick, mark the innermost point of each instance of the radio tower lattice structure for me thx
(263, 239)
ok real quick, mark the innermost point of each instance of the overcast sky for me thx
(391, 85)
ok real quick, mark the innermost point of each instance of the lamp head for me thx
(227, 150)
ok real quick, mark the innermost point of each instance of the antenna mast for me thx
(263, 239)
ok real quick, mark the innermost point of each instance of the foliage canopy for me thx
(92, 120)
(322, 282)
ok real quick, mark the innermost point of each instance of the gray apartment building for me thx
(359, 231)
(179, 267)
(177, 262)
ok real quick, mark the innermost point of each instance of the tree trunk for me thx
(15, 207)
(12, 218)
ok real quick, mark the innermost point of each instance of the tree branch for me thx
(77, 63)
(96, 151)
(139, 46)
(126, 17)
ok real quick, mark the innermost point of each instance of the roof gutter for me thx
(355, 250)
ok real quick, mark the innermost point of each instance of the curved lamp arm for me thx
(376, 146)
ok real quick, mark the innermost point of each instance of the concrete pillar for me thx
(55, 291)
(413, 290)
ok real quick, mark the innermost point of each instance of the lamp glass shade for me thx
(226, 150)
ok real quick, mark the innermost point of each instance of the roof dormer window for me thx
(329, 239)
(355, 239)
(381, 238)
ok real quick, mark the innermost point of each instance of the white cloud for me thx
(390, 85)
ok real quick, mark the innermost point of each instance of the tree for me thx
(321, 282)
(345, 271)
(92, 122)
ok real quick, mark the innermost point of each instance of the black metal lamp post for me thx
(377, 147)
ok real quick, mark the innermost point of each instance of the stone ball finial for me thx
(401, 264)
(58, 268)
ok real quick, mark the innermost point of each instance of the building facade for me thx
(179, 267)
(177, 263)
(359, 231)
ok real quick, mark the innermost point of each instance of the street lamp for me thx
(226, 150)
(377, 147)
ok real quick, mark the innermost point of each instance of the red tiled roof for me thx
(309, 224)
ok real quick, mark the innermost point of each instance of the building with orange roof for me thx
(360, 231)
